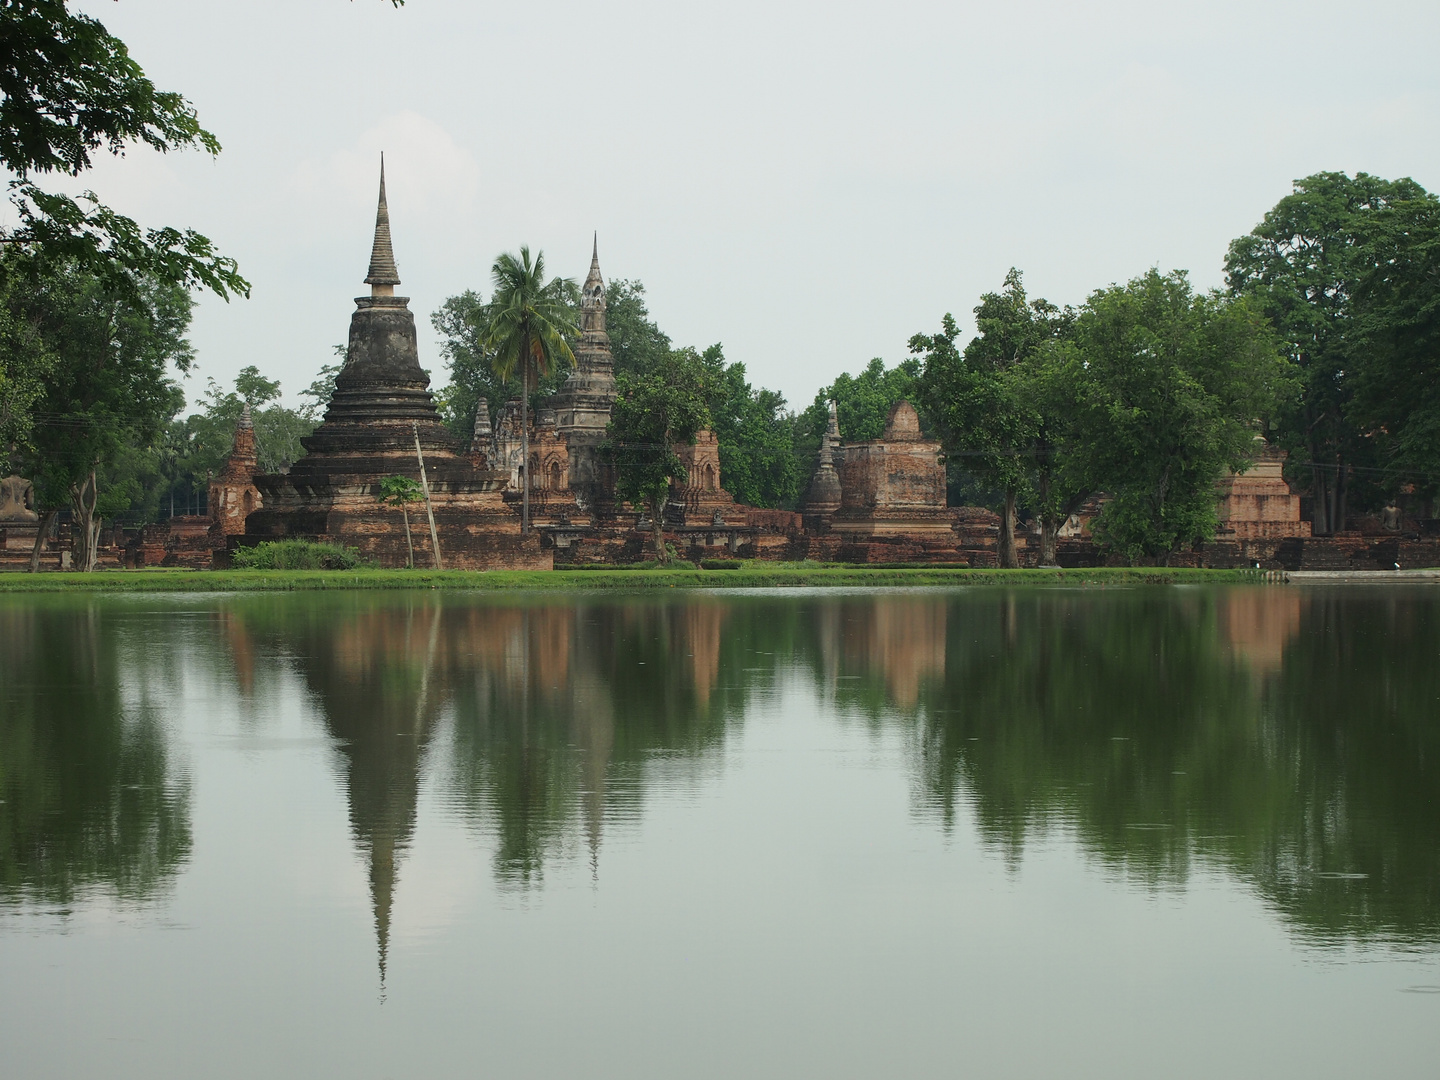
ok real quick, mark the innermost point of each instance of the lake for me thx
(1108, 832)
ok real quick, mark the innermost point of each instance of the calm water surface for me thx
(1110, 833)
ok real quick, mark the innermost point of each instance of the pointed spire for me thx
(246, 421)
(383, 275)
(482, 424)
(830, 440)
(592, 293)
(382, 893)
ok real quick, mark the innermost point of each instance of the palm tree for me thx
(529, 322)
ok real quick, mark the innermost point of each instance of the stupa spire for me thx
(383, 275)
(592, 294)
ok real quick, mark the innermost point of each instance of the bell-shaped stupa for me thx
(381, 419)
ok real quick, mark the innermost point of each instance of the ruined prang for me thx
(582, 406)
(381, 408)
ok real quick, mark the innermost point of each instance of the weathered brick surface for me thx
(893, 486)
(1257, 504)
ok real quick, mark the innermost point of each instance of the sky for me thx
(807, 184)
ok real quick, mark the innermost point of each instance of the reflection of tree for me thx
(570, 704)
(1276, 734)
(89, 799)
(1284, 736)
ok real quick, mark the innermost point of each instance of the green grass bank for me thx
(772, 575)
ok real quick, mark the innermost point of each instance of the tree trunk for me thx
(524, 447)
(85, 533)
(47, 519)
(1320, 510)
(1049, 526)
(1342, 492)
(657, 523)
(409, 547)
(1009, 557)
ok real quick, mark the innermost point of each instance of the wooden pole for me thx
(425, 487)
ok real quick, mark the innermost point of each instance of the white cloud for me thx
(424, 167)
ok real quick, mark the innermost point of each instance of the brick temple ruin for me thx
(876, 501)
(382, 422)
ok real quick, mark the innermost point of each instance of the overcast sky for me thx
(808, 184)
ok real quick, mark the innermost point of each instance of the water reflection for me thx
(1286, 738)
(90, 800)
(1289, 738)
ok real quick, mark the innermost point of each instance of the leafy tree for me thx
(756, 437)
(638, 345)
(990, 405)
(754, 429)
(322, 389)
(1169, 387)
(862, 402)
(655, 412)
(25, 356)
(205, 438)
(1302, 266)
(401, 491)
(108, 387)
(1396, 400)
(528, 326)
(69, 89)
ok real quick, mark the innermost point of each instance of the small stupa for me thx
(894, 485)
(380, 419)
(233, 495)
(824, 496)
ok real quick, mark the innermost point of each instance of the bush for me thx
(295, 555)
(720, 564)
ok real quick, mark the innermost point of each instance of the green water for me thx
(1095, 832)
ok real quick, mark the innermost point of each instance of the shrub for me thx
(720, 564)
(295, 555)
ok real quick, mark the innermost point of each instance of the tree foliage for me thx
(862, 402)
(107, 389)
(206, 436)
(529, 325)
(69, 90)
(1171, 385)
(1304, 267)
(996, 407)
(655, 412)
(1396, 384)
(461, 322)
(756, 437)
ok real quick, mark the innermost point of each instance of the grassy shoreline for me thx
(773, 575)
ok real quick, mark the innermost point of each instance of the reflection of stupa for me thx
(377, 684)
(901, 640)
(1258, 624)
